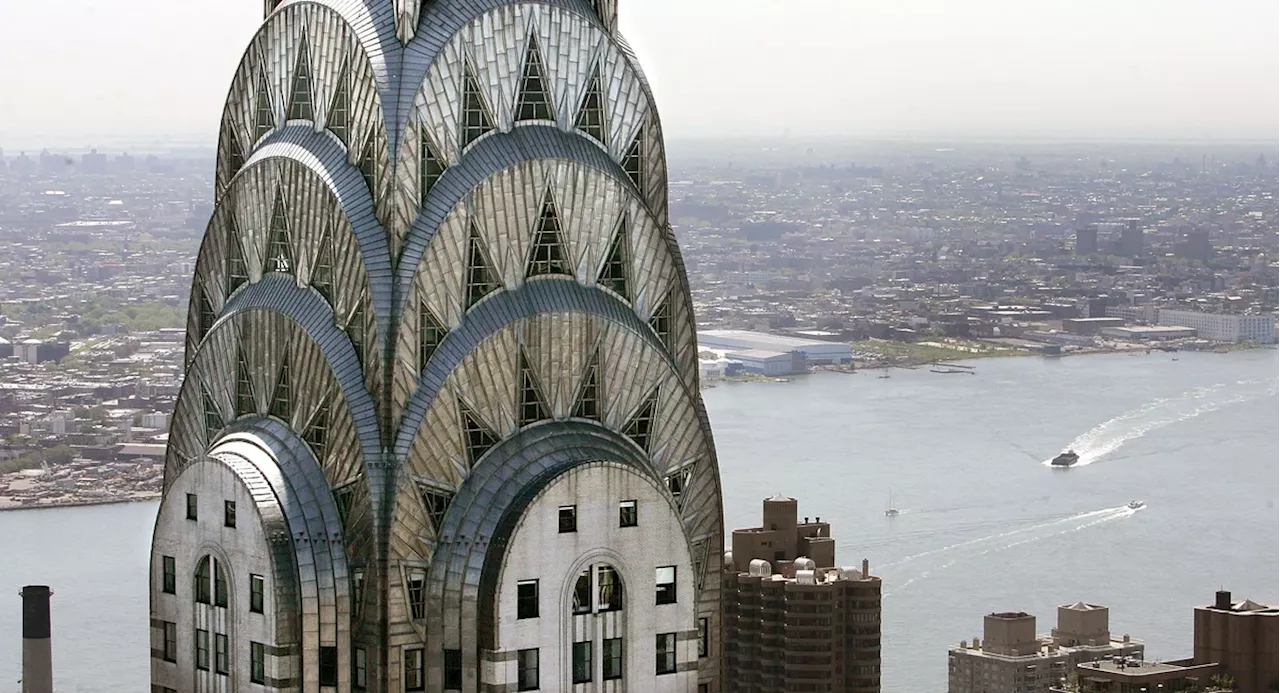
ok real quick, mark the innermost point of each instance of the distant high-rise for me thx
(1087, 240)
(1196, 246)
(440, 428)
(1132, 241)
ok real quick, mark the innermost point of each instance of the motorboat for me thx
(1136, 505)
(1066, 459)
(885, 374)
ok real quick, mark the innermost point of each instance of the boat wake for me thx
(1003, 541)
(1109, 436)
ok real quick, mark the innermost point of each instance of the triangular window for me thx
(355, 330)
(300, 107)
(430, 167)
(475, 435)
(587, 404)
(482, 280)
(282, 398)
(339, 120)
(237, 269)
(280, 251)
(534, 100)
(244, 386)
(430, 334)
(212, 416)
(661, 321)
(322, 272)
(613, 275)
(547, 256)
(436, 503)
(317, 433)
(264, 115)
(533, 406)
(678, 483)
(342, 498)
(476, 120)
(633, 160)
(640, 427)
(700, 549)
(235, 153)
(590, 118)
(369, 168)
(207, 316)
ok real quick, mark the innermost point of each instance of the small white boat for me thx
(891, 511)
(1136, 505)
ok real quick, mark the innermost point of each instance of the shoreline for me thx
(80, 503)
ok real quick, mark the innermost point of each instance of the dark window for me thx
(418, 593)
(357, 590)
(415, 671)
(704, 688)
(191, 506)
(202, 650)
(527, 599)
(219, 585)
(665, 580)
(704, 636)
(169, 581)
(359, 668)
(256, 593)
(170, 642)
(627, 516)
(204, 571)
(228, 513)
(328, 665)
(453, 670)
(257, 663)
(568, 518)
(582, 662)
(533, 101)
(609, 587)
(527, 670)
(611, 657)
(779, 556)
(582, 593)
(665, 648)
(221, 657)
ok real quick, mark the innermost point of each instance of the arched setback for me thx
(539, 552)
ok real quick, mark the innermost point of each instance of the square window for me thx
(170, 651)
(665, 580)
(609, 588)
(665, 648)
(202, 650)
(582, 668)
(328, 665)
(611, 658)
(627, 516)
(360, 668)
(192, 505)
(229, 514)
(169, 582)
(527, 599)
(221, 657)
(452, 670)
(568, 518)
(704, 636)
(257, 593)
(415, 678)
(257, 663)
(527, 670)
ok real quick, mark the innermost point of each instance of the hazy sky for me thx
(78, 72)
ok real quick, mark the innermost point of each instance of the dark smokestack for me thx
(37, 653)
(1222, 600)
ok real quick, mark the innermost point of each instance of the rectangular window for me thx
(610, 588)
(527, 599)
(170, 642)
(568, 518)
(582, 593)
(418, 593)
(453, 670)
(257, 593)
(665, 580)
(202, 650)
(627, 516)
(665, 648)
(191, 506)
(228, 513)
(328, 665)
(704, 636)
(359, 668)
(611, 658)
(219, 586)
(527, 670)
(582, 668)
(221, 658)
(170, 578)
(415, 675)
(257, 663)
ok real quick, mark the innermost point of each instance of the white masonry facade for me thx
(440, 428)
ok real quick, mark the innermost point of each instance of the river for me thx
(985, 525)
